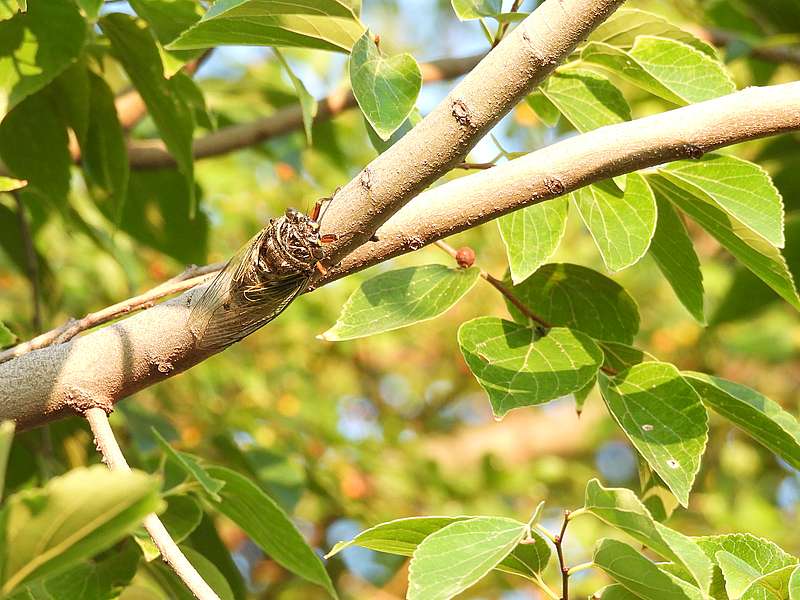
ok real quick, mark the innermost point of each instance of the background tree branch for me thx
(111, 363)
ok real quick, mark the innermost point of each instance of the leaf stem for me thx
(579, 568)
(500, 287)
(544, 587)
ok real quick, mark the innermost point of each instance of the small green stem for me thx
(578, 568)
(545, 532)
(577, 513)
(545, 588)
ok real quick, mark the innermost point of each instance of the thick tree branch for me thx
(112, 455)
(114, 362)
(153, 154)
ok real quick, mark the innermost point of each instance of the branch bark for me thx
(116, 361)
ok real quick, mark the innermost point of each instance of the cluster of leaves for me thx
(450, 554)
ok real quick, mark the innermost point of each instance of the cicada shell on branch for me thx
(259, 282)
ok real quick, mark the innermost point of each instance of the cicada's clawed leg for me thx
(316, 210)
(328, 238)
(321, 268)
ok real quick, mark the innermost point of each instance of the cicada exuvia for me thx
(260, 281)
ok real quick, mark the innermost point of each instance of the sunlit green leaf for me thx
(7, 338)
(756, 253)
(402, 536)
(454, 558)
(386, 87)
(532, 235)
(519, 367)
(794, 584)
(547, 112)
(37, 46)
(673, 252)
(756, 415)
(667, 68)
(9, 184)
(626, 24)
(72, 518)
(476, 9)
(324, 24)
(740, 188)
(621, 508)
(6, 439)
(399, 298)
(639, 575)
(663, 417)
(579, 298)
(586, 100)
(621, 223)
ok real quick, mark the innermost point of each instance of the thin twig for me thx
(170, 552)
(31, 263)
(559, 541)
(500, 287)
(186, 280)
(468, 166)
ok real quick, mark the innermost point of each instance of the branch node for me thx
(554, 185)
(414, 242)
(366, 179)
(693, 151)
(461, 112)
(81, 401)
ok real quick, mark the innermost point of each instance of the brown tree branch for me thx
(112, 455)
(185, 281)
(114, 362)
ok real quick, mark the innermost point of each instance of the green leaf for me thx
(757, 254)
(94, 580)
(737, 573)
(794, 584)
(626, 24)
(70, 94)
(90, 8)
(519, 367)
(758, 416)
(168, 18)
(639, 575)
(6, 439)
(324, 24)
(268, 527)
(621, 508)
(34, 147)
(400, 298)
(621, 223)
(72, 518)
(774, 585)
(532, 235)
(191, 466)
(615, 592)
(760, 555)
(459, 555)
(586, 100)
(621, 357)
(402, 536)
(7, 337)
(386, 88)
(136, 50)
(210, 573)
(206, 540)
(547, 112)
(9, 184)
(181, 517)
(673, 252)
(475, 9)
(104, 155)
(666, 68)
(580, 298)
(663, 417)
(741, 188)
(37, 46)
(308, 104)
